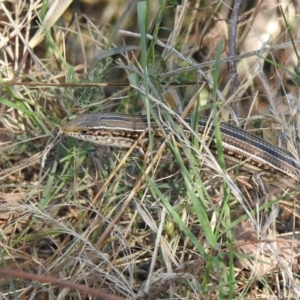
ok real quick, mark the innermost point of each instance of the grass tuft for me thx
(79, 219)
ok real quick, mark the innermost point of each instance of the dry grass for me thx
(78, 219)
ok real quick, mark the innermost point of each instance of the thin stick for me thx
(107, 231)
(232, 52)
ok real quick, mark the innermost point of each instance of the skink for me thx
(251, 152)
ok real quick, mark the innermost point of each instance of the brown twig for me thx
(104, 235)
(232, 52)
(58, 282)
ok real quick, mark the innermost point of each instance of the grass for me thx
(78, 218)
